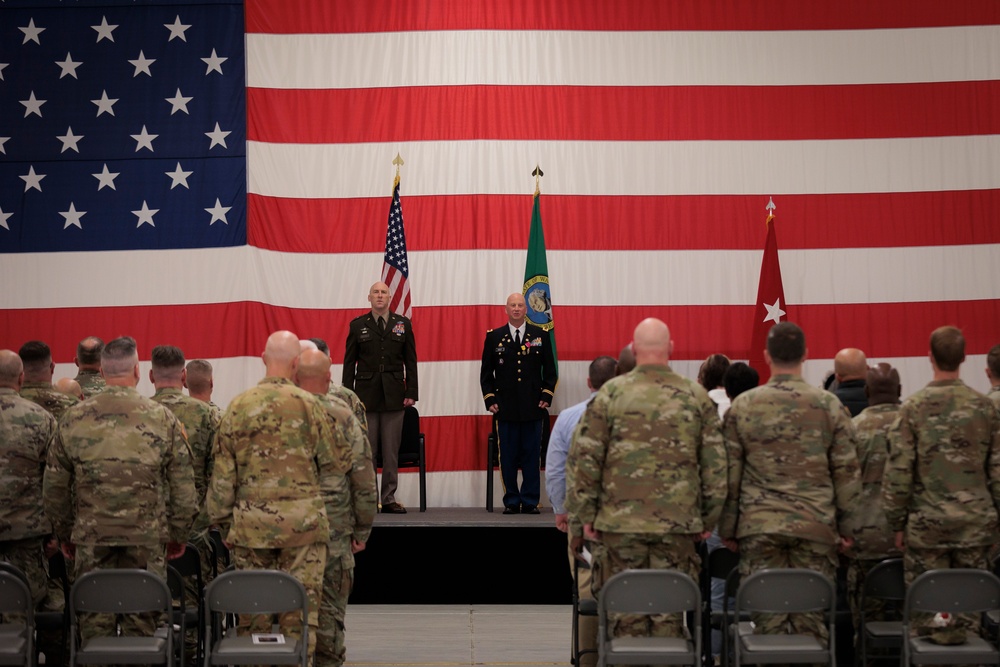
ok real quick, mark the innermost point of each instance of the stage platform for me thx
(465, 556)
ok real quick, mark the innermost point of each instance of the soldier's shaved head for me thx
(281, 354)
(313, 372)
(306, 345)
(850, 364)
(626, 360)
(882, 384)
(70, 387)
(120, 361)
(651, 342)
(199, 378)
(10, 370)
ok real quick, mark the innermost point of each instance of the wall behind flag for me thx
(662, 129)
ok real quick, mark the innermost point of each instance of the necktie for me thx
(517, 339)
(381, 325)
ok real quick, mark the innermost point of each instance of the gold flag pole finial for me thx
(770, 208)
(537, 173)
(398, 161)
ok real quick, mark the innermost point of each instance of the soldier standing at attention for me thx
(119, 484)
(88, 361)
(942, 482)
(518, 378)
(793, 476)
(26, 431)
(38, 368)
(380, 364)
(993, 374)
(343, 393)
(199, 382)
(351, 502)
(274, 453)
(874, 540)
(646, 472)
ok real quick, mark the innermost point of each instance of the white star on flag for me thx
(70, 140)
(218, 137)
(31, 33)
(774, 312)
(3, 140)
(106, 179)
(176, 29)
(214, 63)
(144, 140)
(104, 30)
(145, 215)
(72, 217)
(3, 219)
(105, 104)
(142, 64)
(32, 105)
(178, 177)
(178, 103)
(68, 66)
(2, 66)
(218, 212)
(32, 180)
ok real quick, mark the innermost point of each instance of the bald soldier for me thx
(38, 369)
(274, 453)
(646, 472)
(119, 483)
(793, 476)
(380, 365)
(88, 363)
(342, 392)
(351, 502)
(26, 431)
(850, 368)
(942, 482)
(70, 387)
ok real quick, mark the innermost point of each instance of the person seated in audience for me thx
(70, 387)
(710, 377)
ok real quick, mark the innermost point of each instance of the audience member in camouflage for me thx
(793, 475)
(993, 374)
(119, 484)
(351, 503)
(343, 393)
(199, 381)
(646, 471)
(26, 431)
(873, 539)
(88, 361)
(37, 388)
(70, 387)
(274, 453)
(942, 482)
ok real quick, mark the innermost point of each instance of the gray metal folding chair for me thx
(17, 639)
(783, 591)
(953, 591)
(120, 591)
(649, 592)
(254, 592)
(882, 582)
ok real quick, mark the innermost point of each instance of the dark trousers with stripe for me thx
(520, 446)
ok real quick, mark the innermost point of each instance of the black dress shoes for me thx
(512, 510)
(393, 508)
(530, 509)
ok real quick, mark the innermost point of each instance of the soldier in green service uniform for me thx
(38, 369)
(88, 361)
(26, 431)
(646, 472)
(119, 484)
(873, 540)
(351, 503)
(942, 482)
(793, 476)
(993, 373)
(274, 454)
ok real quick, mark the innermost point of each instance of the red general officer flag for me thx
(770, 307)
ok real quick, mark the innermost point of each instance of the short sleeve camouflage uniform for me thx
(647, 467)
(942, 485)
(26, 432)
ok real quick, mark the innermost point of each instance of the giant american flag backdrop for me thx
(663, 129)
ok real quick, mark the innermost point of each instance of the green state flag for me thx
(537, 294)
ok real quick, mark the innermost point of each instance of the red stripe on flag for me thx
(598, 113)
(584, 332)
(307, 16)
(577, 222)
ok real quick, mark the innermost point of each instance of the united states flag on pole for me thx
(395, 269)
